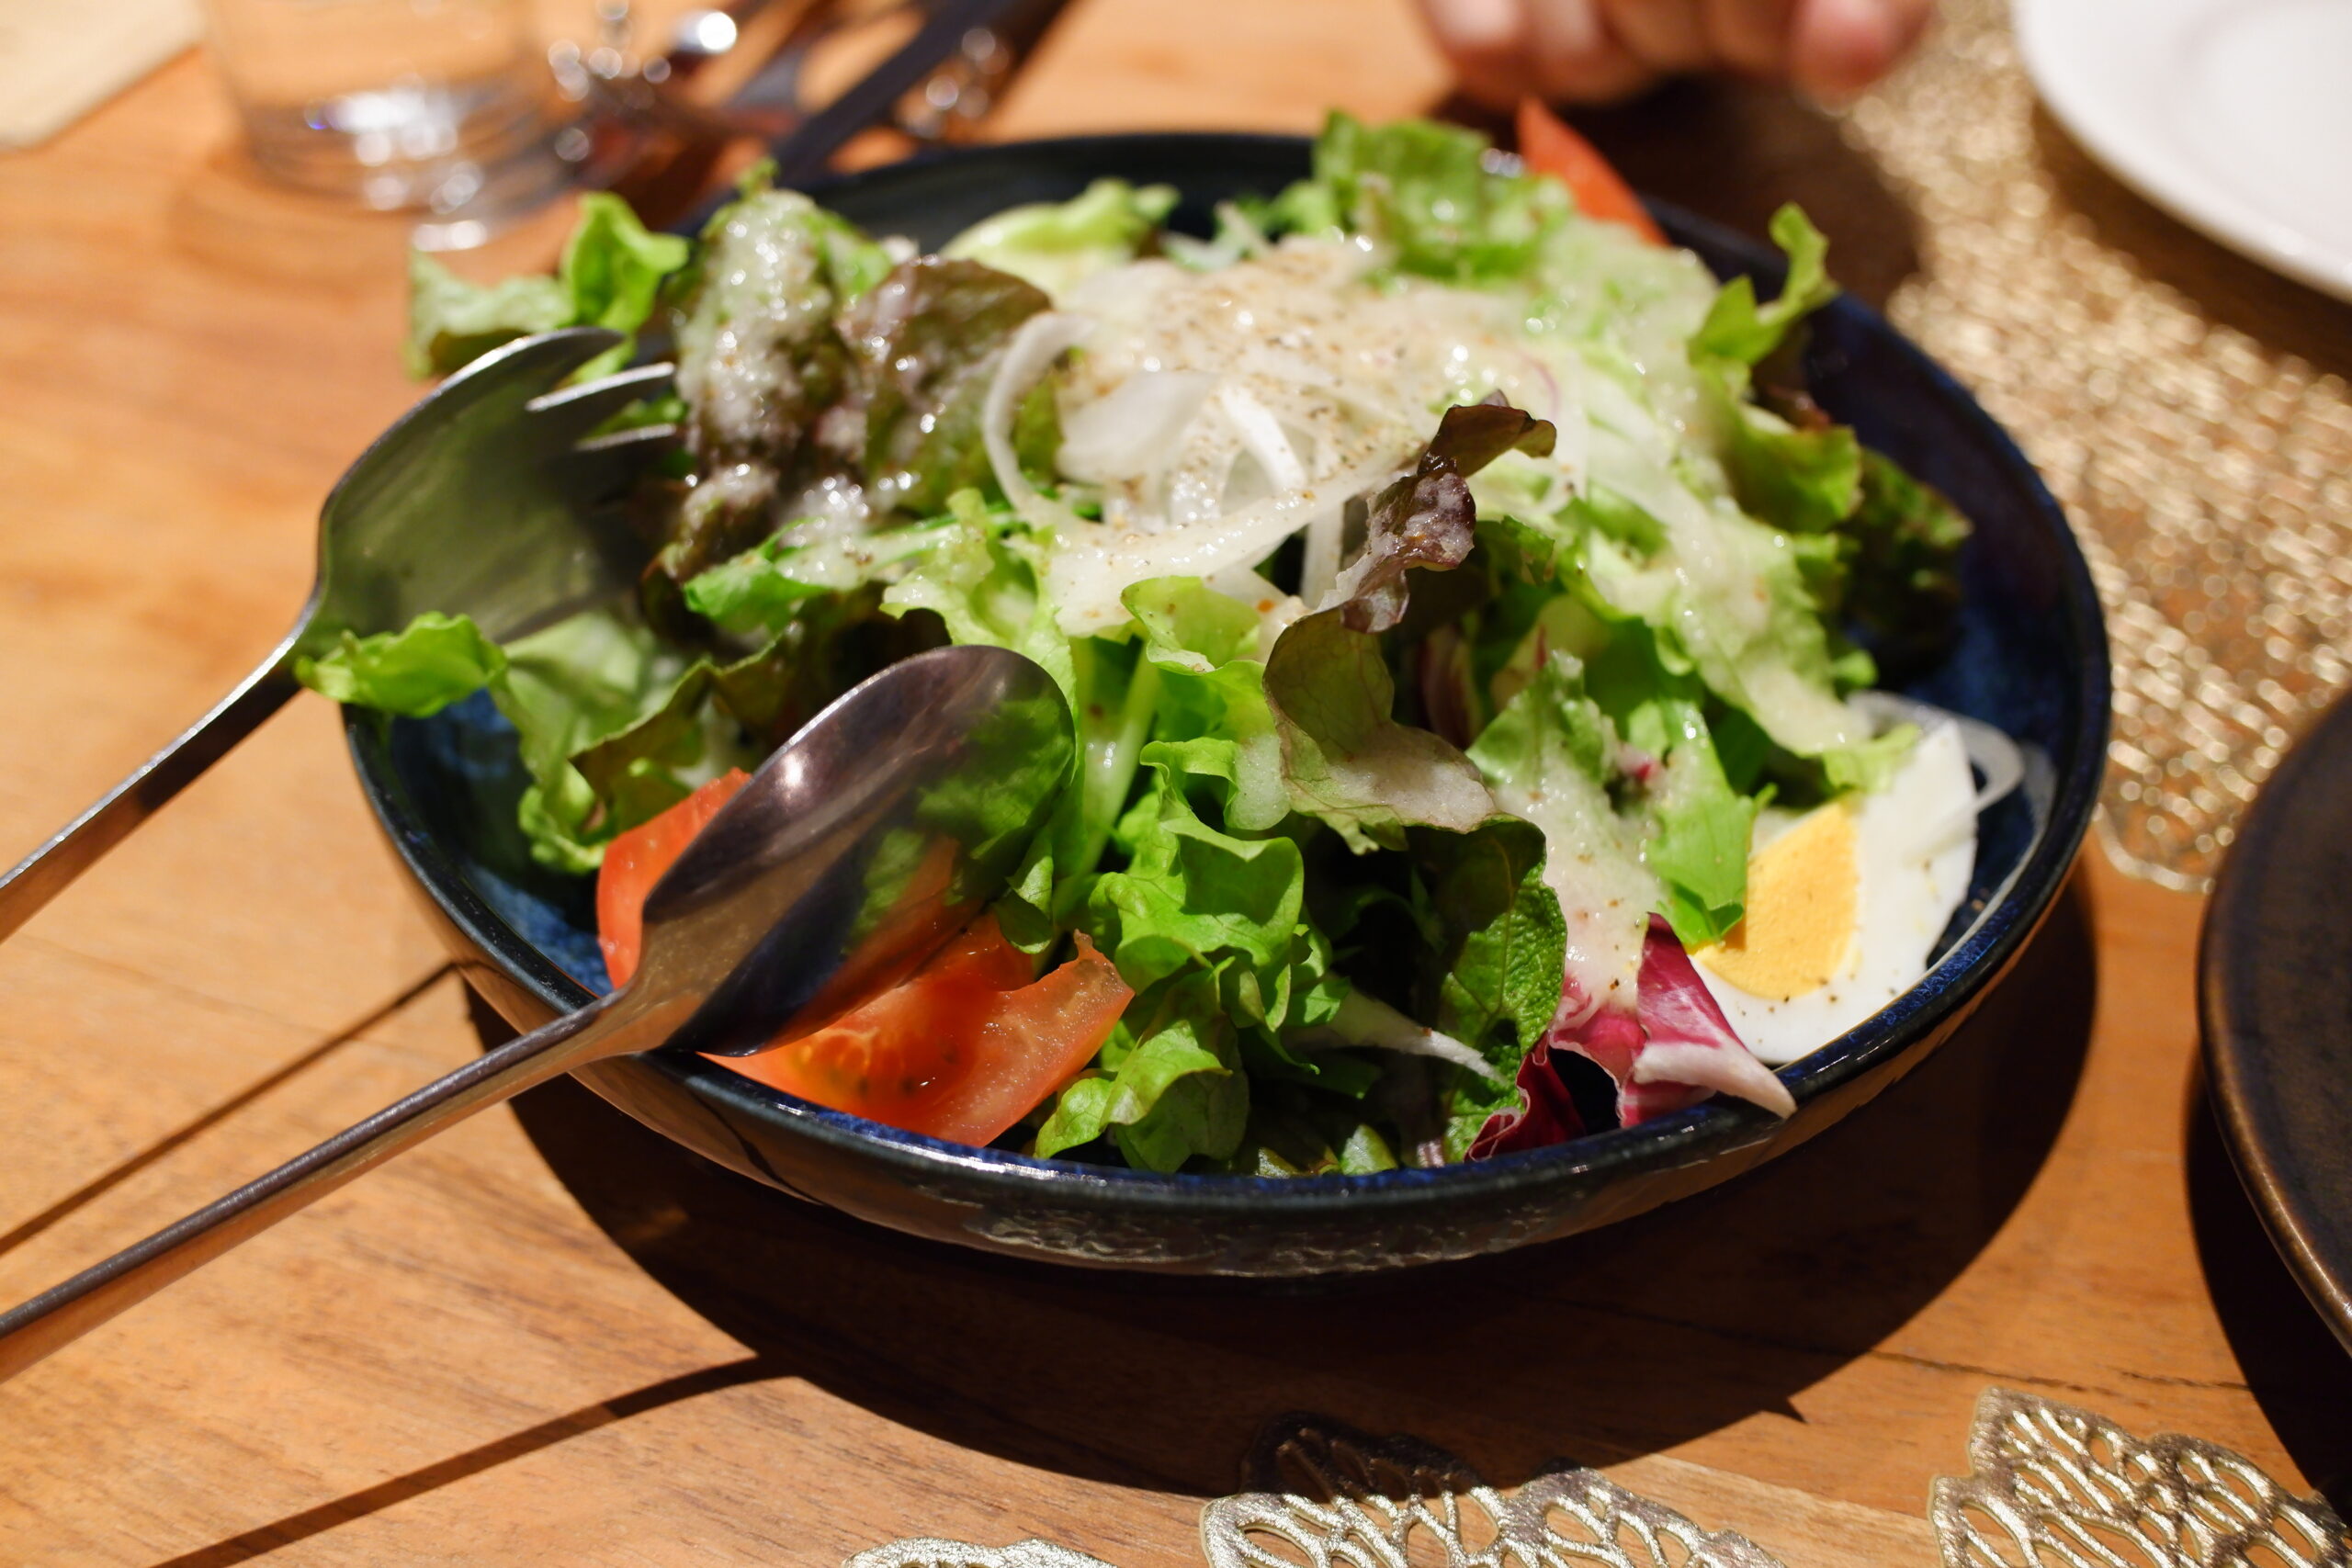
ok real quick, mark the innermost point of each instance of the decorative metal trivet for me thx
(2058, 1485)
(923, 1552)
(1330, 1497)
(2190, 410)
(2053, 1487)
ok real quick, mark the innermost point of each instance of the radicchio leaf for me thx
(1678, 1049)
(1426, 518)
(1545, 1114)
(1667, 1053)
(1689, 1049)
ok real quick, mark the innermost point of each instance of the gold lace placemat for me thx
(2189, 408)
(2052, 1486)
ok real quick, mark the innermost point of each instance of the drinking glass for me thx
(444, 107)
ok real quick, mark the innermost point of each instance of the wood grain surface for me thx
(551, 1338)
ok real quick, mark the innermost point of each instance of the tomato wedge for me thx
(961, 1049)
(1549, 146)
(635, 862)
(964, 1048)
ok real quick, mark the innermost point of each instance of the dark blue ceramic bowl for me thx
(2030, 658)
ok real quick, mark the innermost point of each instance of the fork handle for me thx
(42, 874)
(609, 1027)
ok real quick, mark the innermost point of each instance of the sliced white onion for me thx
(1043, 339)
(1133, 431)
(1095, 564)
(1726, 1070)
(1990, 751)
(1320, 570)
(1263, 435)
(1244, 583)
(1368, 1021)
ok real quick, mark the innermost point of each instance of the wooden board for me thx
(551, 1338)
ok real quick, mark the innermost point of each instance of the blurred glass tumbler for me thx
(445, 106)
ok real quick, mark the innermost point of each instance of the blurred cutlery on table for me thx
(660, 124)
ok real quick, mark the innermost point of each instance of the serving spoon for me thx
(869, 838)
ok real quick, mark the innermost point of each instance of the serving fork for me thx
(494, 497)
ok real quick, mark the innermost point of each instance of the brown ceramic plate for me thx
(2274, 982)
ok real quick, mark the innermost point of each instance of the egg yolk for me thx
(1799, 924)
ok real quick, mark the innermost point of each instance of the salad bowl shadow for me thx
(2030, 657)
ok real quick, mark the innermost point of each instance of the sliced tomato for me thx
(635, 862)
(961, 1050)
(1548, 145)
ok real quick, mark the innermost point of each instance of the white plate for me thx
(2236, 116)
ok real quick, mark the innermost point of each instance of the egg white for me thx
(1914, 845)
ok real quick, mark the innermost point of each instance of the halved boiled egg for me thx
(1845, 903)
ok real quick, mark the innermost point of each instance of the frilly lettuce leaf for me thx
(980, 577)
(611, 276)
(1902, 584)
(1699, 826)
(1500, 941)
(416, 671)
(1193, 896)
(613, 269)
(1346, 761)
(570, 689)
(1212, 721)
(1739, 329)
(613, 725)
(616, 727)
(1296, 1133)
(769, 586)
(1188, 623)
(1426, 190)
(452, 322)
(1055, 245)
(1428, 518)
(756, 589)
(1549, 726)
(1168, 1085)
(923, 344)
(1804, 480)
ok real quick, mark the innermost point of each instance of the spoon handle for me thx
(46, 873)
(64, 1312)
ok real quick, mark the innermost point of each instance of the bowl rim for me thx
(1706, 1132)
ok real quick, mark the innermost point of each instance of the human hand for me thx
(1599, 51)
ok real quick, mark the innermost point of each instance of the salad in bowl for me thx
(1462, 606)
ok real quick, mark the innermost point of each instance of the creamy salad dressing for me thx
(1259, 399)
(735, 365)
(1595, 869)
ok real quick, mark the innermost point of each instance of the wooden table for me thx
(549, 1338)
